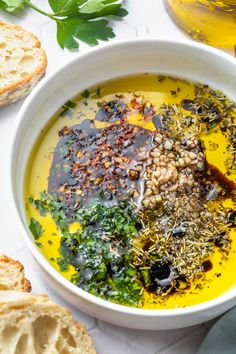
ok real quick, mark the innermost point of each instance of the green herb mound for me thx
(100, 249)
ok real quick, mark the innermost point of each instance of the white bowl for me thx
(188, 60)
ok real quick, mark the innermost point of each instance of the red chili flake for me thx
(64, 131)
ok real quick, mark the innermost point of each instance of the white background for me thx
(146, 18)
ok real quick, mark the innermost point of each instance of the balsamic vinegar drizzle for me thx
(107, 161)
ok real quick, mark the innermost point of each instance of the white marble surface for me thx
(146, 18)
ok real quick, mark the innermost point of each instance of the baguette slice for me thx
(22, 62)
(32, 324)
(12, 275)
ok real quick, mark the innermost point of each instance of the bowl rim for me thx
(85, 296)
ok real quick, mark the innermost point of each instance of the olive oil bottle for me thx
(209, 21)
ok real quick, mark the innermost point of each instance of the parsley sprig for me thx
(76, 19)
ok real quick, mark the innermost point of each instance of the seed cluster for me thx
(173, 164)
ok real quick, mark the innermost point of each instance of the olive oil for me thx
(156, 90)
(210, 21)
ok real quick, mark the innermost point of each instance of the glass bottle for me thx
(209, 21)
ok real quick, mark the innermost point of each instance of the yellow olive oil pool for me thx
(129, 113)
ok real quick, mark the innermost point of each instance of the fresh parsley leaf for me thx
(63, 8)
(108, 2)
(90, 32)
(72, 28)
(36, 228)
(66, 32)
(12, 5)
(119, 12)
(62, 264)
(110, 9)
(92, 6)
(81, 2)
(73, 18)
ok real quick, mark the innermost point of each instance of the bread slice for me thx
(32, 324)
(22, 62)
(12, 275)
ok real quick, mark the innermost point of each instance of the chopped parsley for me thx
(85, 94)
(62, 264)
(100, 250)
(98, 92)
(36, 228)
(67, 107)
(39, 244)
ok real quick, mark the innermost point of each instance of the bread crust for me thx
(25, 285)
(24, 307)
(86, 337)
(18, 89)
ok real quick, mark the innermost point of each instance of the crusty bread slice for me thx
(12, 275)
(22, 62)
(32, 324)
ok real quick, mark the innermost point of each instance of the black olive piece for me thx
(159, 278)
(179, 231)
(160, 270)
